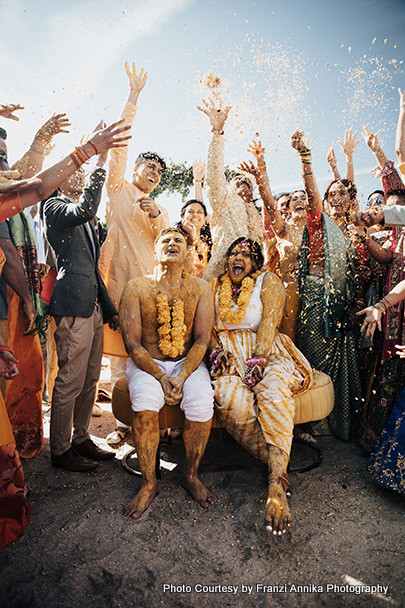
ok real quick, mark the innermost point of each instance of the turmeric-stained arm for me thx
(202, 329)
(131, 328)
(215, 177)
(273, 299)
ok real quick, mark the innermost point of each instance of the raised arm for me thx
(348, 146)
(198, 176)
(386, 170)
(332, 162)
(118, 158)
(260, 174)
(10, 182)
(314, 201)
(112, 136)
(400, 135)
(7, 111)
(215, 177)
(31, 163)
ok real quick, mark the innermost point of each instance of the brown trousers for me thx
(79, 344)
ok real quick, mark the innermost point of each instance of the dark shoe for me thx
(91, 450)
(72, 461)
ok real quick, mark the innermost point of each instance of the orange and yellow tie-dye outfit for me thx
(263, 414)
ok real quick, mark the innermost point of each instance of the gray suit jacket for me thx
(78, 282)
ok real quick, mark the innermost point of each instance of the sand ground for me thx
(80, 550)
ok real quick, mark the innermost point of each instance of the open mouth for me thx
(238, 268)
(172, 251)
(298, 208)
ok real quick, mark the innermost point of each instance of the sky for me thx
(315, 65)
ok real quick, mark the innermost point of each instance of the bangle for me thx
(217, 132)
(76, 160)
(252, 361)
(43, 135)
(36, 150)
(381, 307)
(82, 154)
(6, 349)
(214, 353)
(198, 181)
(160, 377)
(305, 174)
(385, 302)
(94, 146)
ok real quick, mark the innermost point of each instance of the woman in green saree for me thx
(332, 277)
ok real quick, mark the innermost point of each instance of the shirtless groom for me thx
(166, 321)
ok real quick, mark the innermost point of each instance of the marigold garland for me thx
(171, 328)
(225, 298)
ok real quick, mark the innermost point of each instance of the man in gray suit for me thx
(80, 305)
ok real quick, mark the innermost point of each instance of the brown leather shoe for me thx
(72, 461)
(90, 450)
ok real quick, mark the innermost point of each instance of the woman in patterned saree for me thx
(256, 370)
(330, 292)
(388, 376)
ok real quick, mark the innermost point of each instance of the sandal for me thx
(118, 437)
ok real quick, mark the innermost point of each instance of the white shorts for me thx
(146, 392)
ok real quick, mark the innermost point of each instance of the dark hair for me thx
(398, 192)
(190, 202)
(349, 185)
(3, 133)
(255, 248)
(205, 232)
(376, 192)
(284, 194)
(150, 156)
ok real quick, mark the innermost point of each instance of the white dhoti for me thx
(146, 392)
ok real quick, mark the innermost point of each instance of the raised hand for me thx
(401, 97)
(9, 182)
(258, 151)
(110, 137)
(58, 123)
(217, 115)
(331, 157)
(102, 159)
(136, 81)
(350, 144)
(371, 139)
(297, 141)
(249, 167)
(6, 111)
(198, 169)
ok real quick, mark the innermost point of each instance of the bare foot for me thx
(278, 515)
(198, 491)
(141, 502)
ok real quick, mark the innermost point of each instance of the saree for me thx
(388, 375)
(14, 506)
(387, 463)
(24, 392)
(321, 334)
